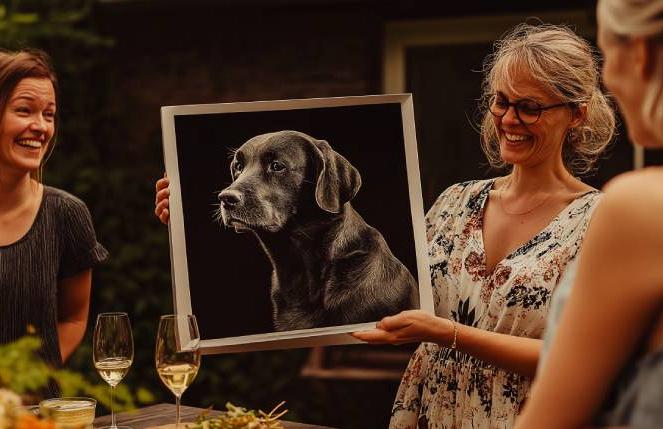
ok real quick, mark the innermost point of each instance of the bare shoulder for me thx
(577, 190)
(633, 202)
(643, 189)
(649, 175)
(625, 235)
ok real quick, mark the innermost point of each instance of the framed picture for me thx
(294, 222)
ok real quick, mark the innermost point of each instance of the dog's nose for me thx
(229, 198)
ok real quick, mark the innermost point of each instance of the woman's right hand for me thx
(411, 326)
(161, 203)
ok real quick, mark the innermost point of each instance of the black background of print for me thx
(229, 273)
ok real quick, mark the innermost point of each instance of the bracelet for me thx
(454, 342)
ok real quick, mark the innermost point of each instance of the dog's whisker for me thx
(231, 152)
(217, 216)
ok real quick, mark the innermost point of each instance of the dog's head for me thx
(276, 174)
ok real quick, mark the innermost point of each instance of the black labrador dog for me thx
(329, 266)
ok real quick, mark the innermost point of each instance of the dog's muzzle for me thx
(229, 200)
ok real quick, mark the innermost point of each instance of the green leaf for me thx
(24, 18)
(144, 396)
(23, 371)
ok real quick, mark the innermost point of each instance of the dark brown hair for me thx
(16, 66)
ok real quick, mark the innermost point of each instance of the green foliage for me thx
(99, 159)
(24, 22)
(19, 369)
(24, 372)
(64, 29)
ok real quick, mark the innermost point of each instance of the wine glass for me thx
(112, 351)
(177, 355)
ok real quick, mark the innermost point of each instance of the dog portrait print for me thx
(294, 193)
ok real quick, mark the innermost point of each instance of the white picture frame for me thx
(211, 278)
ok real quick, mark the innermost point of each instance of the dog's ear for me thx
(338, 181)
(233, 160)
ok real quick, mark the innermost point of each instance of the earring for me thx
(572, 135)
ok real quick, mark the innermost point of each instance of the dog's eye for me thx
(277, 166)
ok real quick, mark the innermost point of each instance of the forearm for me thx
(515, 354)
(73, 307)
(70, 334)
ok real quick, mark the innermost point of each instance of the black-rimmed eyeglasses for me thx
(527, 111)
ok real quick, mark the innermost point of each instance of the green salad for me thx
(240, 418)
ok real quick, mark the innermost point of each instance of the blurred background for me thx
(120, 60)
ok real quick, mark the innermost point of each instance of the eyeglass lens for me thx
(528, 111)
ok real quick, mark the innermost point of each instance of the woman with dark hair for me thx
(47, 242)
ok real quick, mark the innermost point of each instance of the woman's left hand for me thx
(161, 204)
(411, 326)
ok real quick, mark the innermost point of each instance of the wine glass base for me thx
(113, 427)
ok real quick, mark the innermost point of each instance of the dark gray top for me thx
(60, 243)
(638, 395)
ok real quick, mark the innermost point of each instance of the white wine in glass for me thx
(177, 354)
(112, 351)
(113, 370)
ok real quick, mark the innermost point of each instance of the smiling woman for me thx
(28, 125)
(548, 74)
(498, 247)
(47, 242)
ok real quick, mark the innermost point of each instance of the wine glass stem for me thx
(112, 391)
(177, 411)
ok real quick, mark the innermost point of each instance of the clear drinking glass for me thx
(113, 351)
(177, 354)
(69, 412)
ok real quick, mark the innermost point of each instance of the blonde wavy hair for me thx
(641, 18)
(565, 65)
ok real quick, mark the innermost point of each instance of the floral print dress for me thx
(445, 388)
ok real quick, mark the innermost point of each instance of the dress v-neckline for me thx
(485, 192)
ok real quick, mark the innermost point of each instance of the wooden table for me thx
(163, 414)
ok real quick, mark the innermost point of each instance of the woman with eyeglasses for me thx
(605, 363)
(498, 247)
